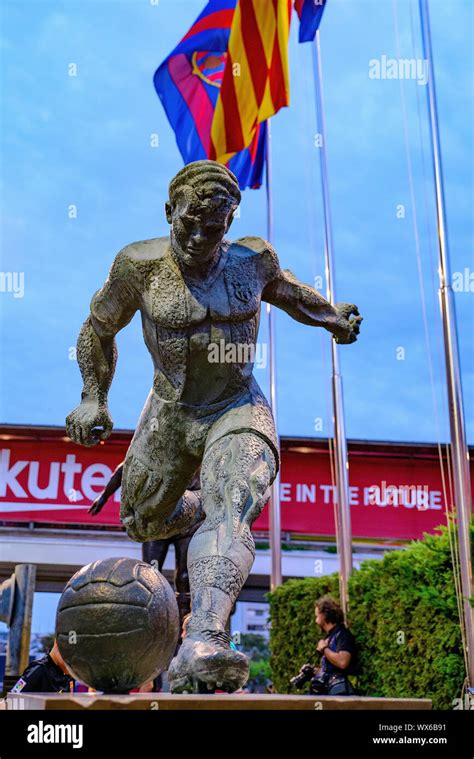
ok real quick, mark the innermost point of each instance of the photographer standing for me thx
(338, 650)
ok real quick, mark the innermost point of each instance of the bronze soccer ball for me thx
(117, 624)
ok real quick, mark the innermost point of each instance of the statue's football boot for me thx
(206, 663)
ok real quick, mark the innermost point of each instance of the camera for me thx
(304, 676)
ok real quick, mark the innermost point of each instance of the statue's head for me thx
(202, 201)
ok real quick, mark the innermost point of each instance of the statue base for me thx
(217, 702)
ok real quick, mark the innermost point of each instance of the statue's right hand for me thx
(89, 423)
(97, 506)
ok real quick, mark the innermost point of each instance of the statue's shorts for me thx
(172, 438)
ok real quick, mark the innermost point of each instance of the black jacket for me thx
(43, 676)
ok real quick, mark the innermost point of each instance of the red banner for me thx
(396, 491)
(391, 497)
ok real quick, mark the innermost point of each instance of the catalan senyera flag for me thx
(227, 76)
(255, 84)
(309, 13)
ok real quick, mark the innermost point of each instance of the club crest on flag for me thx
(209, 66)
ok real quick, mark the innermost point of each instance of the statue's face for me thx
(199, 227)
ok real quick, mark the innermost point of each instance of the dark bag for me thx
(319, 685)
(331, 685)
(339, 685)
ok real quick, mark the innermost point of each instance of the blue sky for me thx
(85, 140)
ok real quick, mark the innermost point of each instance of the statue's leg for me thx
(155, 552)
(154, 501)
(158, 467)
(181, 577)
(237, 472)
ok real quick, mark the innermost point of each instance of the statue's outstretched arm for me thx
(112, 308)
(307, 306)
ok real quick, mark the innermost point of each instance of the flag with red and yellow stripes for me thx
(255, 84)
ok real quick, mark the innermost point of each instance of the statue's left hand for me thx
(350, 313)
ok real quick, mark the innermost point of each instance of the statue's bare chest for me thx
(233, 296)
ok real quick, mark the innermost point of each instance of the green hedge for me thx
(403, 613)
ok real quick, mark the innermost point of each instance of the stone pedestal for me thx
(218, 702)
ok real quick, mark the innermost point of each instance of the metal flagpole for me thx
(275, 521)
(344, 529)
(459, 449)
